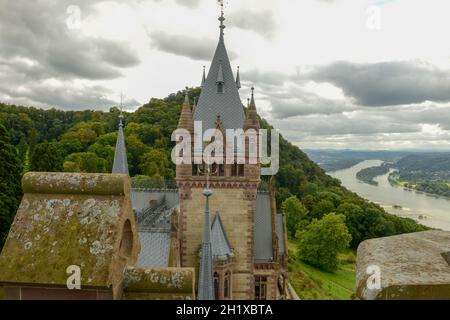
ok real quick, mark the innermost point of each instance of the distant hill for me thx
(332, 160)
(431, 167)
(428, 173)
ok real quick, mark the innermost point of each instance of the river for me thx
(429, 210)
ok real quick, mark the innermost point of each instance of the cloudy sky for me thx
(361, 74)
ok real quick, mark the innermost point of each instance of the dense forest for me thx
(428, 173)
(431, 167)
(84, 141)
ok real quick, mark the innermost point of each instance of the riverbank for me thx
(428, 210)
(395, 181)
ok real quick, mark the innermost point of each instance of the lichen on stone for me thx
(167, 280)
(52, 231)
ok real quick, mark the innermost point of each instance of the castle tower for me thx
(186, 122)
(235, 185)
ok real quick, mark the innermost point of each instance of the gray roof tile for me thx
(263, 229)
(155, 249)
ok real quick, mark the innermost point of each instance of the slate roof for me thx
(221, 248)
(154, 209)
(155, 249)
(263, 229)
(205, 277)
(227, 104)
(120, 164)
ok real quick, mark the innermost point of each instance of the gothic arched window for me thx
(227, 286)
(216, 286)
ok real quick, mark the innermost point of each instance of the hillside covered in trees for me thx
(84, 141)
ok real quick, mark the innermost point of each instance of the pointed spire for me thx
(238, 79)
(221, 248)
(204, 77)
(252, 121)
(220, 98)
(120, 164)
(252, 100)
(220, 75)
(186, 119)
(206, 279)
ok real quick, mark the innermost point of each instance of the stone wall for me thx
(408, 267)
(65, 219)
(236, 206)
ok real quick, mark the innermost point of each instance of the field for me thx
(313, 284)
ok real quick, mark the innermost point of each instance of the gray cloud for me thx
(261, 78)
(308, 104)
(37, 46)
(185, 46)
(185, 3)
(262, 22)
(386, 83)
(37, 31)
(189, 3)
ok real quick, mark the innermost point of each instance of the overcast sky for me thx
(361, 74)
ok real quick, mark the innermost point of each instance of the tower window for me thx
(220, 87)
(260, 288)
(226, 286)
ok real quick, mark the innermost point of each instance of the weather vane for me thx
(222, 4)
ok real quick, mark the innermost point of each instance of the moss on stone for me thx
(50, 234)
(54, 231)
(176, 281)
(144, 296)
(76, 183)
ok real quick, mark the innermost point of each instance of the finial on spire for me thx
(222, 17)
(253, 92)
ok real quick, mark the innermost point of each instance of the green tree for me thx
(46, 158)
(322, 240)
(85, 162)
(322, 208)
(135, 150)
(10, 184)
(22, 148)
(295, 212)
(156, 163)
